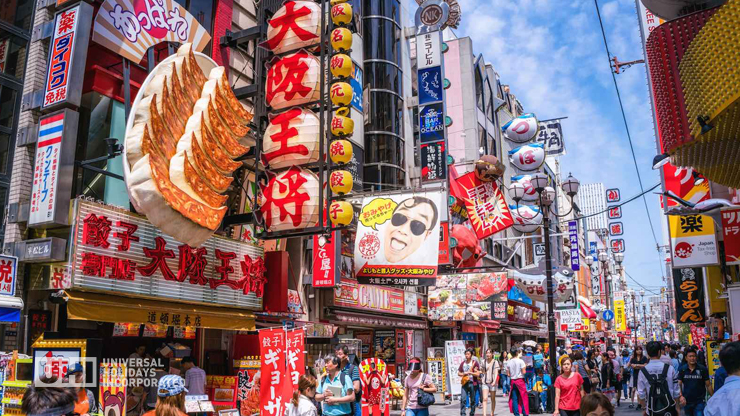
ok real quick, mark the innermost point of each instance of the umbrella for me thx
(529, 343)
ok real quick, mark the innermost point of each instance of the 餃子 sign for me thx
(130, 28)
(395, 236)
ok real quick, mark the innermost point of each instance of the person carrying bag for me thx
(418, 390)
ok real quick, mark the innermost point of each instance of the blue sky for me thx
(552, 55)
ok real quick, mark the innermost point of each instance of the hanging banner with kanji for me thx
(484, 203)
(275, 386)
(693, 242)
(296, 355)
(689, 288)
(731, 233)
(8, 273)
(395, 236)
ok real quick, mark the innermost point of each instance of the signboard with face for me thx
(395, 235)
(693, 241)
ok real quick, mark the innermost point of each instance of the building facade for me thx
(592, 200)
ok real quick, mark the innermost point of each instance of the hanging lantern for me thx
(291, 138)
(341, 39)
(341, 125)
(341, 213)
(341, 66)
(289, 200)
(527, 218)
(341, 94)
(293, 80)
(295, 25)
(340, 182)
(341, 14)
(340, 151)
(521, 129)
(529, 157)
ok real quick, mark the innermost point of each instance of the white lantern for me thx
(521, 129)
(291, 138)
(527, 218)
(295, 25)
(293, 80)
(528, 158)
(290, 200)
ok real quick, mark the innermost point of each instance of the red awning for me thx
(495, 325)
(472, 327)
(576, 340)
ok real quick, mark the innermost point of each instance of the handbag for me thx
(465, 380)
(424, 399)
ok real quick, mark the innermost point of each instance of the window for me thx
(14, 49)
(18, 13)
(7, 106)
(203, 11)
(4, 146)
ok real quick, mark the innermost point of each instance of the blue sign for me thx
(356, 83)
(575, 260)
(516, 294)
(608, 315)
(469, 336)
(430, 85)
(431, 123)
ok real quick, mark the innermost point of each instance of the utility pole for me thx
(634, 317)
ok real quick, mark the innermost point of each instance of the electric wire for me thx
(640, 284)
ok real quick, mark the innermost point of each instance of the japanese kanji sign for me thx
(617, 245)
(130, 28)
(616, 228)
(116, 251)
(326, 256)
(52, 173)
(614, 212)
(485, 204)
(275, 385)
(8, 272)
(550, 135)
(395, 235)
(575, 260)
(613, 195)
(433, 162)
(67, 55)
(689, 287)
(693, 242)
(731, 232)
(428, 50)
(296, 356)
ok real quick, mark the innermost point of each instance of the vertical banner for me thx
(401, 356)
(454, 356)
(693, 242)
(273, 394)
(575, 262)
(436, 368)
(550, 135)
(731, 233)
(326, 256)
(688, 286)
(409, 344)
(620, 318)
(713, 348)
(113, 388)
(295, 354)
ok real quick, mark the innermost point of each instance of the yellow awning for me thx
(109, 308)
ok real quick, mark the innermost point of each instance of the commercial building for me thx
(592, 200)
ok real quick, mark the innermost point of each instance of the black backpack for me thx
(659, 400)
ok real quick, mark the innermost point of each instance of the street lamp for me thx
(634, 317)
(608, 269)
(644, 316)
(546, 196)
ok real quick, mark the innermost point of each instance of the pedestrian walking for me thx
(593, 370)
(335, 390)
(469, 370)
(657, 388)
(301, 404)
(607, 376)
(617, 368)
(490, 369)
(568, 390)
(626, 373)
(170, 397)
(581, 367)
(518, 399)
(637, 362)
(726, 401)
(693, 379)
(415, 382)
(505, 387)
(596, 404)
(351, 370)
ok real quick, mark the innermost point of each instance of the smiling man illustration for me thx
(410, 225)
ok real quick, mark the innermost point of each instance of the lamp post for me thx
(604, 259)
(634, 317)
(546, 196)
(644, 316)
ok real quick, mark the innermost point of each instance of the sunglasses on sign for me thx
(417, 227)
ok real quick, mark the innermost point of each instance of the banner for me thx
(575, 261)
(485, 204)
(395, 235)
(296, 355)
(693, 242)
(326, 252)
(454, 356)
(437, 370)
(468, 297)
(689, 288)
(731, 233)
(620, 318)
(113, 388)
(275, 390)
(550, 135)
(713, 348)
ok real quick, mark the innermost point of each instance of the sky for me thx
(552, 55)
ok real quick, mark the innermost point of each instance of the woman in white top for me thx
(490, 369)
(300, 404)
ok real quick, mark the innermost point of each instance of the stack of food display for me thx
(185, 131)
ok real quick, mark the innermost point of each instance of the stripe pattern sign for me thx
(46, 169)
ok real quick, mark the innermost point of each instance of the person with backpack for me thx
(414, 402)
(342, 352)
(726, 401)
(657, 389)
(539, 359)
(694, 382)
(568, 391)
(333, 382)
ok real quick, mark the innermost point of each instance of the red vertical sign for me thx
(273, 383)
(400, 349)
(296, 357)
(731, 232)
(325, 266)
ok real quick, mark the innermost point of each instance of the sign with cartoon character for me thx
(113, 388)
(533, 282)
(375, 382)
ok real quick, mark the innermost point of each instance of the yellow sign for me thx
(713, 348)
(620, 320)
(693, 242)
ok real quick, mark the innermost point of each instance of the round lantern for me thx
(527, 218)
(528, 158)
(341, 213)
(341, 14)
(341, 39)
(341, 125)
(521, 129)
(340, 151)
(340, 182)
(341, 94)
(293, 80)
(295, 25)
(530, 194)
(289, 200)
(291, 138)
(341, 66)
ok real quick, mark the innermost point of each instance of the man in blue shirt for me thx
(351, 370)
(719, 378)
(335, 404)
(726, 401)
(694, 381)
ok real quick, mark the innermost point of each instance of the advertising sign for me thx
(53, 363)
(326, 252)
(569, 318)
(395, 234)
(485, 204)
(385, 345)
(115, 251)
(130, 28)
(294, 344)
(613, 195)
(731, 233)
(356, 83)
(52, 172)
(620, 318)
(437, 370)
(428, 50)
(614, 212)
(67, 55)
(454, 356)
(430, 85)
(539, 252)
(433, 162)
(350, 294)
(550, 135)
(575, 260)
(444, 243)
(8, 273)
(522, 313)
(689, 288)
(617, 245)
(616, 228)
(693, 242)
(275, 387)
(431, 122)
(458, 297)
(681, 181)
(113, 387)
(713, 348)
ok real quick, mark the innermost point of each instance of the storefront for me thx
(522, 322)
